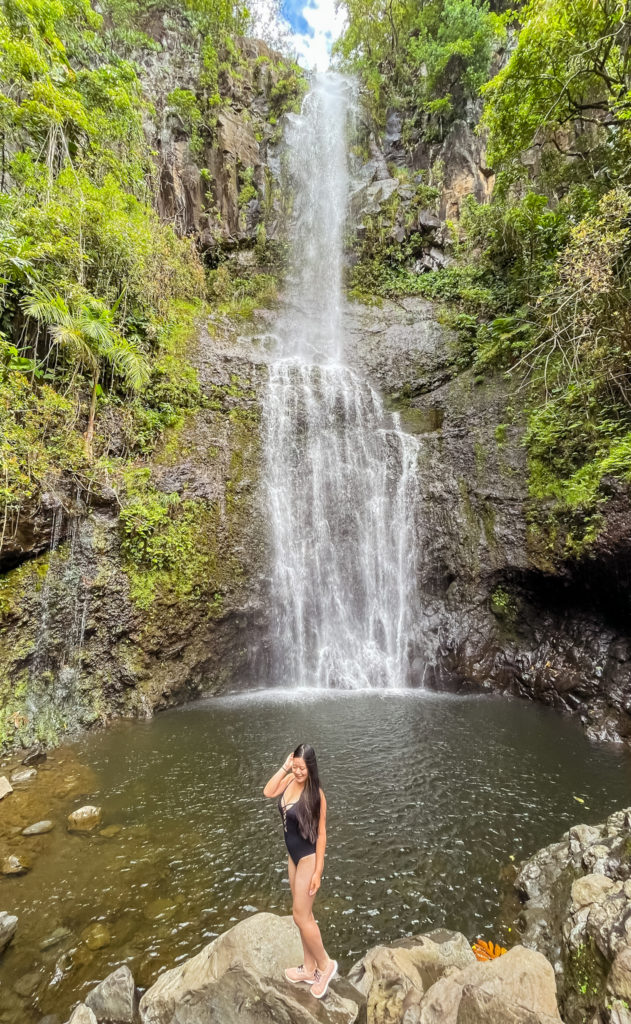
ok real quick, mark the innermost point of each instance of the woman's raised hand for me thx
(289, 760)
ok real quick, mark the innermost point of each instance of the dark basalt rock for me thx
(496, 616)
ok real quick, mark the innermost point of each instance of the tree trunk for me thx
(89, 434)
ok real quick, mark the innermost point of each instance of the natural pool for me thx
(430, 796)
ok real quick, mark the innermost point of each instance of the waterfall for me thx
(340, 475)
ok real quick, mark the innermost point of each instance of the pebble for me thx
(84, 819)
(15, 864)
(38, 829)
(23, 775)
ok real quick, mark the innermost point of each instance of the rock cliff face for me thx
(88, 633)
(218, 172)
(90, 626)
(495, 617)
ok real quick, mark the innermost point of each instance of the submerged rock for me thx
(96, 935)
(110, 831)
(54, 938)
(38, 829)
(8, 927)
(238, 979)
(84, 819)
(115, 998)
(5, 787)
(26, 985)
(23, 774)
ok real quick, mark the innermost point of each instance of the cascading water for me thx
(340, 475)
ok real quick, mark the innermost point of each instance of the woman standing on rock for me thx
(302, 805)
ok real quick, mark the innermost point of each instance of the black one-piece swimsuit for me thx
(297, 846)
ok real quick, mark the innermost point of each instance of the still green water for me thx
(430, 796)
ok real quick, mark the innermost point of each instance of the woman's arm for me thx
(320, 848)
(278, 782)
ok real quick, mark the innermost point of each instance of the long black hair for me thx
(308, 806)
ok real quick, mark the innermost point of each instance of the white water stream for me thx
(340, 475)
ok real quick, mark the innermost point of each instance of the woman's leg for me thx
(309, 960)
(303, 915)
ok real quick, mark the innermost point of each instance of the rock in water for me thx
(5, 787)
(26, 985)
(82, 1014)
(35, 755)
(238, 979)
(38, 829)
(55, 938)
(518, 987)
(8, 926)
(15, 864)
(115, 998)
(84, 819)
(96, 935)
(23, 775)
(110, 831)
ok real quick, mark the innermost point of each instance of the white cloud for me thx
(307, 27)
(327, 25)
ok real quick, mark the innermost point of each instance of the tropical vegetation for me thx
(540, 286)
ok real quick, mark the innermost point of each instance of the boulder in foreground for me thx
(394, 979)
(238, 979)
(82, 1015)
(115, 998)
(516, 988)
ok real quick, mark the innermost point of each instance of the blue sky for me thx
(314, 26)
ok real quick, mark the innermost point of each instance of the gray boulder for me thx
(238, 979)
(82, 1014)
(8, 926)
(516, 988)
(394, 978)
(115, 998)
